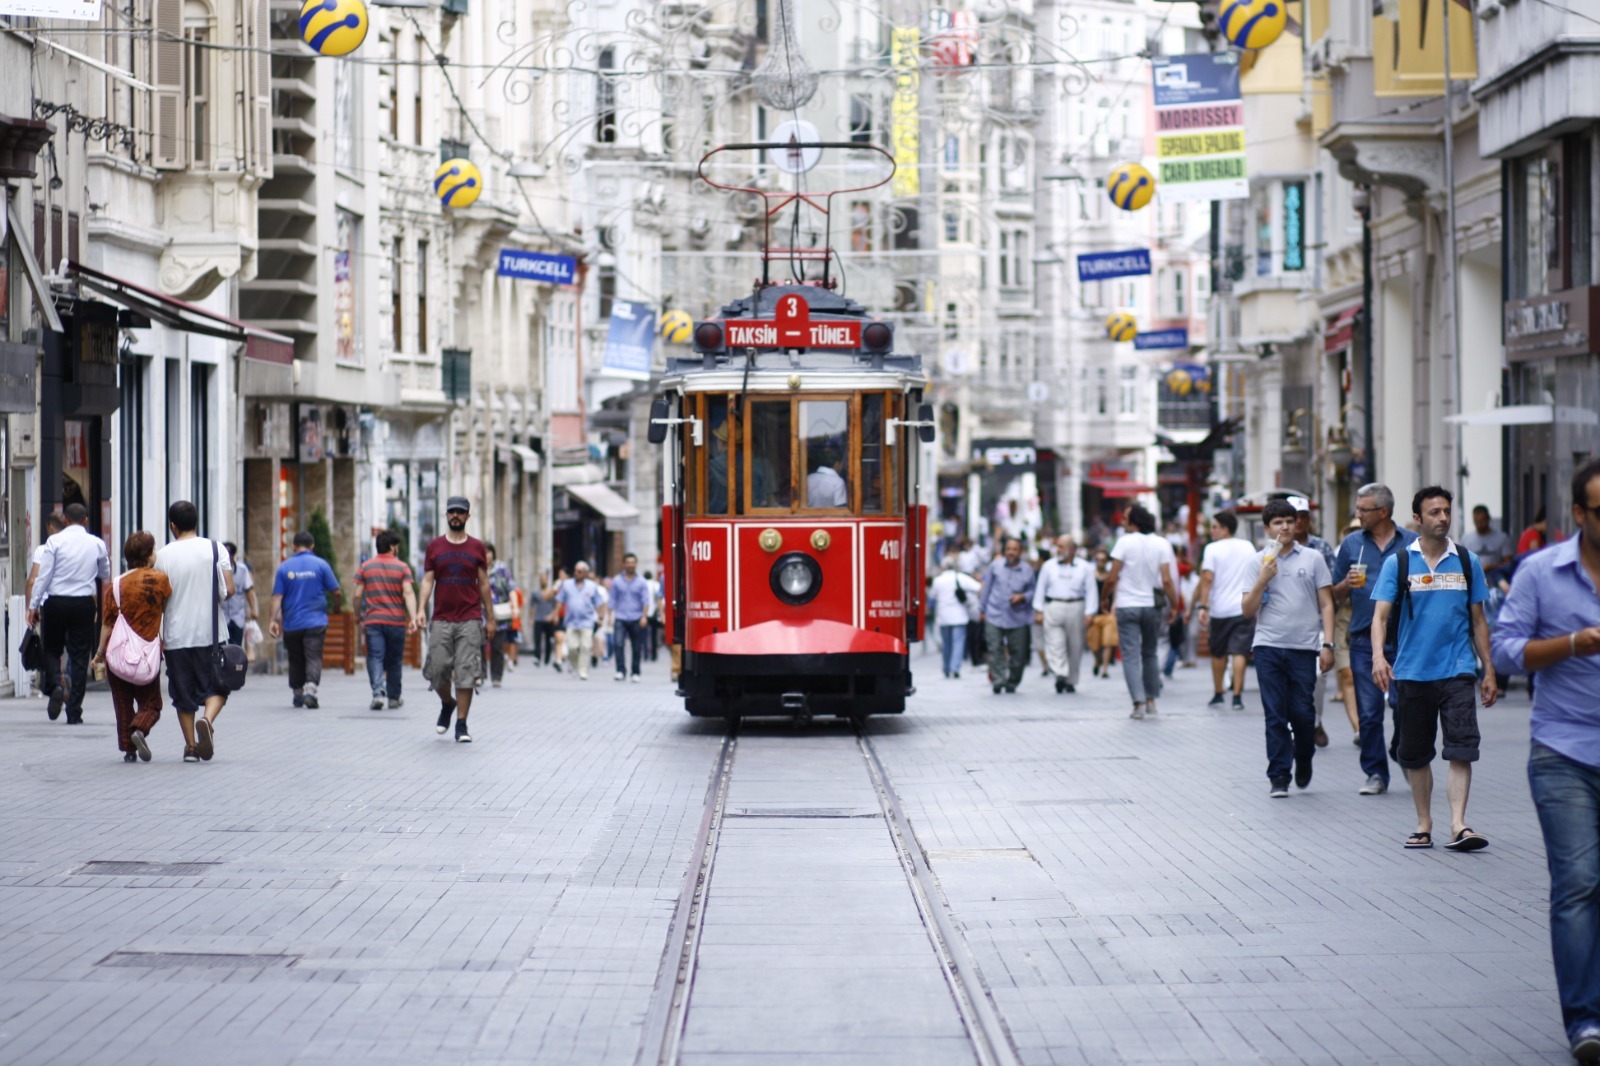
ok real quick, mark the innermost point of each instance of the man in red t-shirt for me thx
(455, 575)
(387, 604)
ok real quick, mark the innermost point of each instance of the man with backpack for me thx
(1434, 591)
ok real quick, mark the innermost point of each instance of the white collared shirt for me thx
(1060, 580)
(69, 565)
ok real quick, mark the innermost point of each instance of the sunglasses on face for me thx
(462, 513)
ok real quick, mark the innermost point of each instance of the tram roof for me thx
(775, 372)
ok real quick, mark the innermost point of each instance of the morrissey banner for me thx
(630, 340)
(1200, 127)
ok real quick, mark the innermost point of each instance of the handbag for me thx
(31, 650)
(233, 665)
(503, 612)
(128, 655)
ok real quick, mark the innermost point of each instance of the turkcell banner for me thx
(630, 340)
(1101, 265)
(1200, 127)
(1162, 338)
(536, 266)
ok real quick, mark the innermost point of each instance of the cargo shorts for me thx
(455, 650)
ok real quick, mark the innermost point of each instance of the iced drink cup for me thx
(1358, 575)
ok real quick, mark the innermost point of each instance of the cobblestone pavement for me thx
(362, 890)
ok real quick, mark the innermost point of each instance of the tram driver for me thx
(826, 486)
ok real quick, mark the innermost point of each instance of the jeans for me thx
(305, 657)
(1287, 677)
(1008, 653)
(386, 646)
(497, 652)
(953, 642)
(1369, 707)
(70, 624)
(1567, 797)
(629, 633)
(1138, 629)
(236, 634)
(544, 641)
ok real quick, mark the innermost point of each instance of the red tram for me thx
(793, 536)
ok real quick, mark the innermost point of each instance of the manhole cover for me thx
(178, 960)
(145, 869)
(801, 812)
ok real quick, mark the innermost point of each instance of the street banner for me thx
(905, 130)
(1098, 266)
(1162, 338)
(1199, 128)
(630, 340)
(535, 266)
(81, 10)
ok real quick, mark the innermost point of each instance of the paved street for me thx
(356, 889)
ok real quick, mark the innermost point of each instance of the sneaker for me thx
(1216, 701)
(202, 737)
(1586, 1044)
(1280, 790)
(1375, 786)
(1149, 706)
(1321, 737)
(311, 702)
(189, 754)
(299, 700)
(1061, 685)
(140, 745)
(620, 677)
(1138, 711)
(57, 698)
(377, 702)
(998, 689)
(634, 679)
(583, 677)
(1070, 686)
(129, 756)
(462, 736)
(447, 711)
(1302, 774)
(397, 703)
(1238, 703)
(495, 684)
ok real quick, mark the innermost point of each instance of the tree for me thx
(322, 540)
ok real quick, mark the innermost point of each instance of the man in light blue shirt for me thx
(1551, 624)
(582, 598)
(1005, 605)
(630, 605)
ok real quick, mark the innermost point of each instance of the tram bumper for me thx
(814, 667)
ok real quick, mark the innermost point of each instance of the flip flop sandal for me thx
(1463, 842)
(1419, 840)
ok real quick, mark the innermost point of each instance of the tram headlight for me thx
(796, 578)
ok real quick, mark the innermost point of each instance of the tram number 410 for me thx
(889, 549)
(700, 551)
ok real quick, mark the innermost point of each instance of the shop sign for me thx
(1000, 453)
(1557, 324)
(1098, 266)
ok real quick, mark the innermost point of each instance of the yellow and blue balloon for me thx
(333, 27)
(457, 183)
(1122, 326)
(1180, 381)
(1252, 24)
(1130, 186)
(676, 326)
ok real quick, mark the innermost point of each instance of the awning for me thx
(612, 507)
(259, 344)
(529, 457)
(1340, 331)
(1117, 487)
(1526, 414)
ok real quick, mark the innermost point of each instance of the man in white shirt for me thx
(1224, 578)
(1066, 585)
(1142, 564)
(66, 598)
(825, 486)
(193, 628)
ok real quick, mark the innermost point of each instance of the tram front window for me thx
(825, 447)
(717, 457)
(771, 446)
(872, 457)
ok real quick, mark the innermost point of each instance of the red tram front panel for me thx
(882, 595)
(754, 600)
(708, 580)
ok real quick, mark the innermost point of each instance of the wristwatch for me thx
(1325, 644)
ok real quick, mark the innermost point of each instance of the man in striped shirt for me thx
(388, 603)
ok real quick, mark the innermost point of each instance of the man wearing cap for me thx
(456, 578)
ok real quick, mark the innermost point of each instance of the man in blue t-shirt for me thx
(300, 591)
(1443, 637)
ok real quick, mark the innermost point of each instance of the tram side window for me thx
(873, 462)
(717, 456)
(825, 444)
(771, 448)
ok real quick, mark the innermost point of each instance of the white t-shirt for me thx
(947, 610)
(197, 591)
(1143, 555)
(1229, 562)
(826, 488)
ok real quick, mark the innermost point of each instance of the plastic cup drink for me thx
(1358, 575)
(99, 671)
(1271, 550)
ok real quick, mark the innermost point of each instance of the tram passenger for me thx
(826, 486)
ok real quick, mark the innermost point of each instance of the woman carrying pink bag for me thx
(138, 597)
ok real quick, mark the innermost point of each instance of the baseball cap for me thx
(458, 503)
(1299, 503)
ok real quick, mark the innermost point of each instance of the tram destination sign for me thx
(791, 327)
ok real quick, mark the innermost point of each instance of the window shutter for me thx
(166, 102)
(261, 98)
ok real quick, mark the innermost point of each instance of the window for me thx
(825, 447)
(1013, 258)
(1128, 391)
(346, 115)
(422, 297)
(132, 445)
(874, 454)
(200, 442)
(952, 152)
(1180, 294)
(721, 429)
(396, 307)
(416, 84)
(770, 454)
(394, 89)
(605, 99)
(1261, 211)
(1102, 390)
(952, 226)
(952, 324)
(196, 77)
(1005, 258)
(861, 118)
(608, 291)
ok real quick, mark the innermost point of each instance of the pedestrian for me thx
(560, 620)
(1341, 653)
(1537, 536)
(1490, 545)
(52, 526)
(1290, 598)
(582, 601)
(64, 604)
(502, 587)
(1142, 589)
(1433, 595)
(1356, 566)
(240, 608)
(201, 578)
(386, 602)
(1060, 601)
(140, 595)
(630, 604)
(1303, 535)
(1225, 565)
(1551, 624)
(544, 624)
(1180, 634)
(654, 622)
(954, 595)
(455, 578)
(1005, 606)
(300, 591)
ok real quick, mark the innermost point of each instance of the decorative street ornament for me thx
(676, 326)
(457, 183)
(1180, 381)
(1130, 186)
(333, 27)
(784, 80)
(1252, 24)
(1122, 326)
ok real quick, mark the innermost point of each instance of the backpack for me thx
(128, 655)
(1402, 597)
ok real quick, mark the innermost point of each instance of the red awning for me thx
(259, 344)
(1340, 331)
(1117, 487)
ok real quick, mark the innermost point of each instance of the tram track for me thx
(667, 1020)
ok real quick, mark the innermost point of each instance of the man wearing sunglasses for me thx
(455, 579)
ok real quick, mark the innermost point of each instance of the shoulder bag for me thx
(233, 665)
(129, 655)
